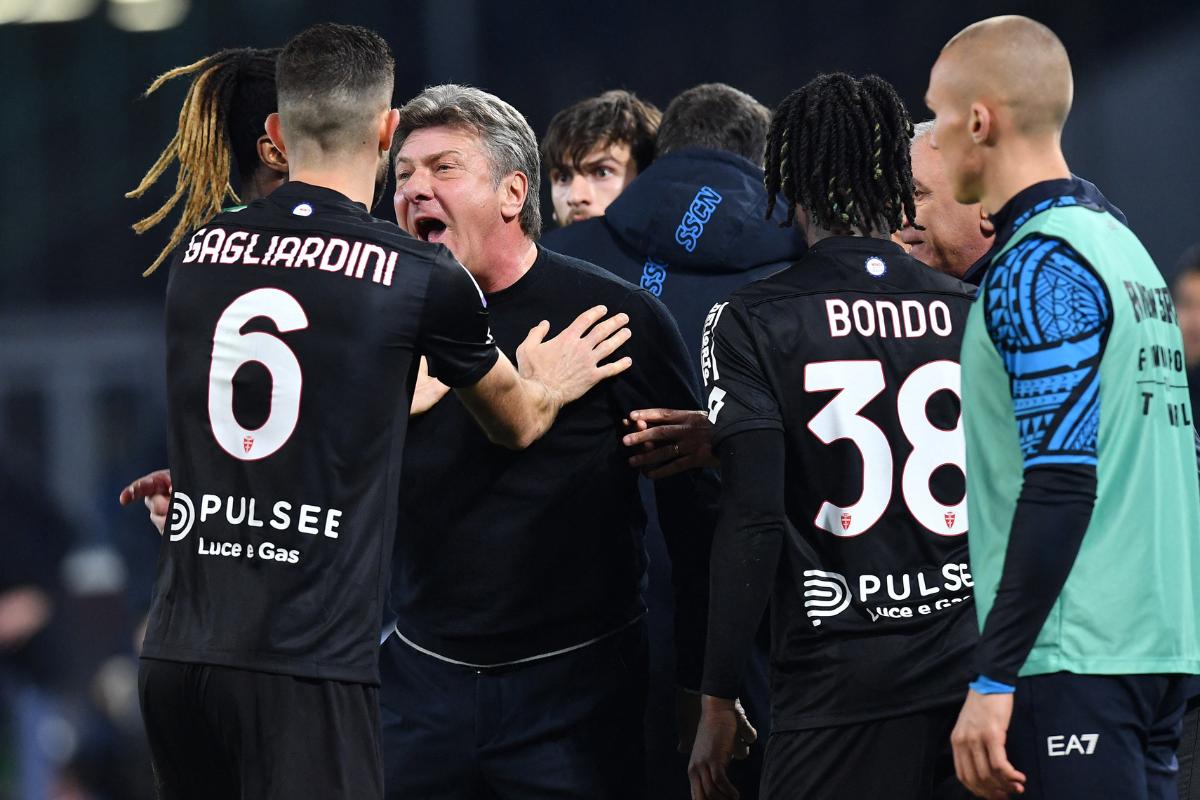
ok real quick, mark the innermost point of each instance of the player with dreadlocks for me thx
(832, 388)
(223, 114)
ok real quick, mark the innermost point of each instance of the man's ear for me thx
(985, 224)
(270, 155)
(982, 124)
(387, 129)
(514, 190)
(275, 132)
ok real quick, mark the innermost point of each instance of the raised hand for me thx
(155, 490)
(570, 363)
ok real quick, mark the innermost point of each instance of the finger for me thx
(741, 750)
(661, 415)
(584, 321)
(606, 328)
(536, 334)
(155, 483)
(134, 491)
(158, 504)
(659, 433)
(615, 368)
(652, 458)
(964, 766)
(699, 792)
(1002, 770)
(746, 731)
(959, 770)
(979, 766)
(709, 789)
(721, 783)
(610, 345)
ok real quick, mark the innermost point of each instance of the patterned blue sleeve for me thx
(1049, 315)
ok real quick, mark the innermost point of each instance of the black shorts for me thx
(1088, 736)
(220, 732)
(901, 758)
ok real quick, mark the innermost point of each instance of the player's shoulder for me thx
(856, 269)
(584, 276)
(1042, 251)
(597, 285)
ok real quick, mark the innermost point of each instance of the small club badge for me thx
(950, 516)
(247, 442)
(876, 267)
(845, 521)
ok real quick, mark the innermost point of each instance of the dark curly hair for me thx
(839, 148)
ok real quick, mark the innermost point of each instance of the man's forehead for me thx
(922, 164)
(423, 142)
(608, 148)
(584, 155)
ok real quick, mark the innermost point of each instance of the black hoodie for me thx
(692, 229)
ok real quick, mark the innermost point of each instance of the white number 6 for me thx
(232, 349)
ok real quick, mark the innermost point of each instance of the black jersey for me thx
(505, 556)
(852, 353)
(293, 333)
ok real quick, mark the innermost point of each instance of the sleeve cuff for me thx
(985, 685)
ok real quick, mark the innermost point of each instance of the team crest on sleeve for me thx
(876, 267)
(303, 210)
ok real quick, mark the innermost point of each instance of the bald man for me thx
(952, 237)
(1081, 480)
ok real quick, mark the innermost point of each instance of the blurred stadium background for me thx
(81, 384)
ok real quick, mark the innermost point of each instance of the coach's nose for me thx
(419, 186)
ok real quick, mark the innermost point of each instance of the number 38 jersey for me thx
(294, 329)
(852, 353)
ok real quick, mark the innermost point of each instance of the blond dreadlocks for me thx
(231, 95)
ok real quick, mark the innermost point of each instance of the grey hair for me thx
(505, 133)
(921, 130)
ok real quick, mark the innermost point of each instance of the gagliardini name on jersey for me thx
(326, 253)
(907, 319)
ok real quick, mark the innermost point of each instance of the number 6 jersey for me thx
(852, 353)
(294, 329)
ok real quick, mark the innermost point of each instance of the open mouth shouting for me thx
(429, 229)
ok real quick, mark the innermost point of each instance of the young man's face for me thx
(445, 192)
(586, 189)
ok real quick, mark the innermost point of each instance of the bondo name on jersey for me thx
(908, 319)
(325, 253)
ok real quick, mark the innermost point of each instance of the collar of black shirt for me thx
(293, 192)
(854, 244)
(525, 283)
(974, 274)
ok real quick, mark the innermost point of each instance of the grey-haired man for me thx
(517, 667)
